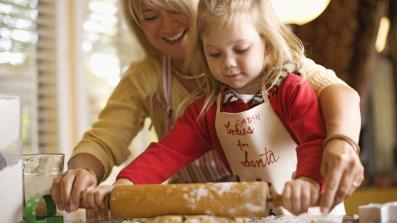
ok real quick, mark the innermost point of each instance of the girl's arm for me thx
(185, 142)
(300, 112)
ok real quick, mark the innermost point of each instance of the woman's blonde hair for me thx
(132, 12)
(282, 46)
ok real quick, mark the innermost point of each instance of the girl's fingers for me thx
(305, 199)
(296, 198)
(287, 196)
(91, 200)
(314, 196)
(99, 199)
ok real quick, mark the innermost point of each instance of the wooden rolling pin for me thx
(220, 199)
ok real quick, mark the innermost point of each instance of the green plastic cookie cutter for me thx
(29, 214)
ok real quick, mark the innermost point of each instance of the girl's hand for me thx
(300, 194)
(95, 201)
(95, 198)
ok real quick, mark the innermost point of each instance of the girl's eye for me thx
(214, 55)
(241, 50)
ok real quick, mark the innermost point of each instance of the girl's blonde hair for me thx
(132, 12)
(282, 46)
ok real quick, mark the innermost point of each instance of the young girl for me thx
(262, 119)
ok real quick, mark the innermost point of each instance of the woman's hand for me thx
(67, 189)
(300, 194)
(342, 171)
(340, 166)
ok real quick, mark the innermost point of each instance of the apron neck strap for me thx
(166, 76)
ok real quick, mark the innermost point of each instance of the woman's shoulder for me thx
(290, 84)
(291, 79)
(143, 67)
(294, 78)
(141, 76)
(292, 88)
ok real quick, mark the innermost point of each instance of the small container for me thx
(39, 170)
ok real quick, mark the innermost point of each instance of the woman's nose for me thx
(167, 24)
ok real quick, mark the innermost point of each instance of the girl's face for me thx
(235, 55)
(166, 30)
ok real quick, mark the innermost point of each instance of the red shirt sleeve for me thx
(296, 104)
(185, 142)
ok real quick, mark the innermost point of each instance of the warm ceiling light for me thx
(381, 39)
(299, 12)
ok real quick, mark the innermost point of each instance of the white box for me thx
(392, 211)
(373, 213)
(11, 173)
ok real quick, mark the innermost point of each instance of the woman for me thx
(158, 87)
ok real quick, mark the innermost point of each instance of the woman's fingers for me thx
(336, 167)
(351, 180)
(66, 184)
(67, 189)
(56, 193)
(83, 180)
(332, 180)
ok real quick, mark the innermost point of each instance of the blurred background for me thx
(64, 57)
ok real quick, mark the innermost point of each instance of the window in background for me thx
(18, 36)
(48, 76)
(107, 47)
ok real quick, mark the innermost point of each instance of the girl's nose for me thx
(230, 62)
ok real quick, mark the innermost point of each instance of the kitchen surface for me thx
(61, 60)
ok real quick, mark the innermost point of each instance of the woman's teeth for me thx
(173, 38)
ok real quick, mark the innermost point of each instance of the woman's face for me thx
(166, 30)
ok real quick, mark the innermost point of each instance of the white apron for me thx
(258, 147)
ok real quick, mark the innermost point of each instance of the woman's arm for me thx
(341, 165)
(340, 107)
(105, 144)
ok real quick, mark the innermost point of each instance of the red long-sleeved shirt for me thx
(294, 102)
